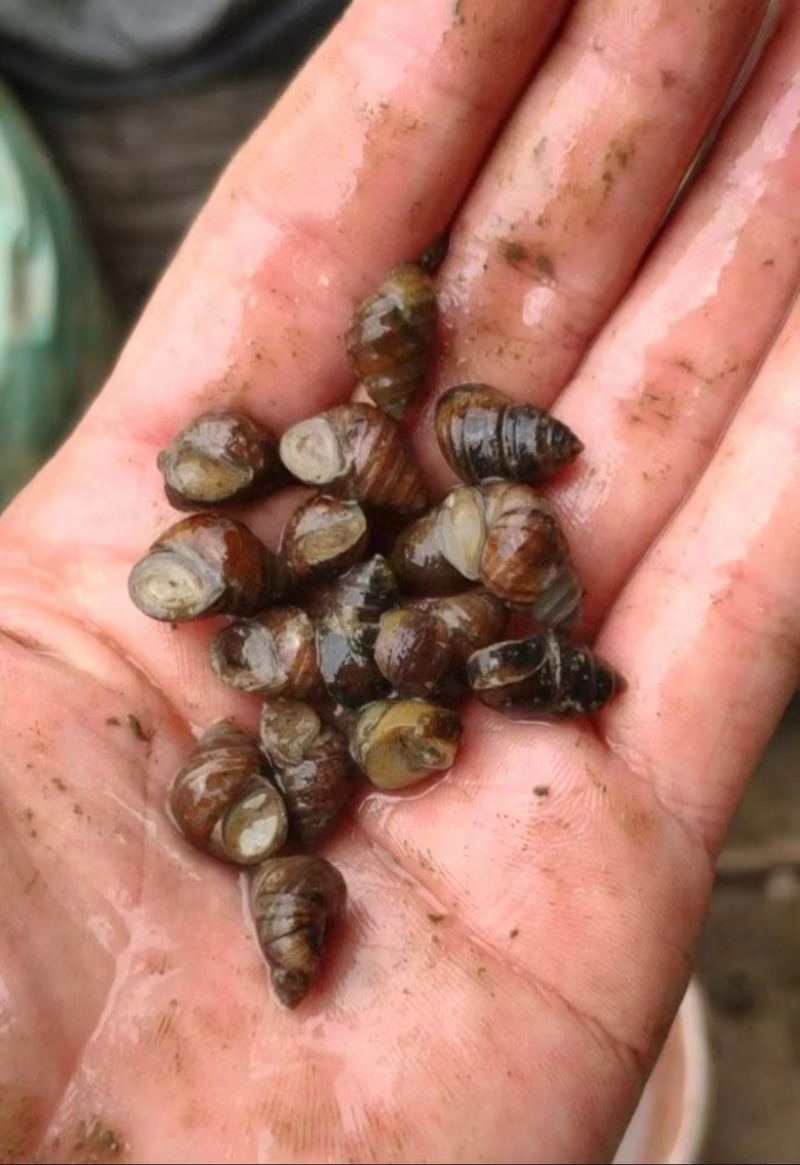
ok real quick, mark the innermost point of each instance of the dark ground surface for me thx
(140, 172)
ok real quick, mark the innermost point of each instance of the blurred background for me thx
(115, 120)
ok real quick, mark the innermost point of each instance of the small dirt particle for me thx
(135, 725)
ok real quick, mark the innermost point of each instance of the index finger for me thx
(360, 164)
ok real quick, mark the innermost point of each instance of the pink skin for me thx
(511, 959)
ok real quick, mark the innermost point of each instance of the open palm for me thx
(518, 936)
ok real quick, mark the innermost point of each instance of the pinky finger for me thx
(708, 629)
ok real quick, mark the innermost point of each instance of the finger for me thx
(579, 182)
(709, 628)
(667, 372)
(361, 164)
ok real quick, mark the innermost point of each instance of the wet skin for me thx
(510, 961)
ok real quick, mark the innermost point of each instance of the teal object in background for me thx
(58, 332)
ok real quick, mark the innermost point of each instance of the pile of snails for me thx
(361, 651)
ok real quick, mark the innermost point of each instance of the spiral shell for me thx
(391, 338)
(296, 901)
(347, 626)
(288, 730)
(220, 457)
(399, 742)
(324, 537)
(354, 451)
(483, 435)
(222, 801)
(423, 645)
(506, 535)
(542, 677)
(419, 562)
(316, 784)
(206, 565)
(274, 654)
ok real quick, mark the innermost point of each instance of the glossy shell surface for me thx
(355, 451)
(295, 901)
(543, 677)
(218, 458)
(206, 565)
(391, 338)
(483, 434)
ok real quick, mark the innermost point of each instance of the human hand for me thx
(519, 937)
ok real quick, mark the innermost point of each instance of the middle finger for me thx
(579, 182)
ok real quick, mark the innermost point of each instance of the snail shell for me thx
(324, 537)
(316, 785)
(295, 902)
(220, 457)
(420, 645)
(399, 742)
(391, 339)
(206, 565)
(274, 654)
(506, 535)
(347, 627)
(542, 677)
(222, 801)
(354, 451)
(288, 730)
(483, 435)
(419, 562)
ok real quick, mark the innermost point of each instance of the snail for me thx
(391, 338)
(399, 742)
(419, 563)
(426, 643)
(483, 434)
(347, 626)
(206, 565)
(507, 535)
(317, 781)
(288, 730)
(274, 654)
(220, 457)
(295, 902)
(354, 451)
(542, 677)
(324, 537)
(222, 801)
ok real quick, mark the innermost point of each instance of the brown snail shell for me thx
(542, 677)
(391, 338)
(316, 785)
(354, 451)
(295, 902)
(288, 730)
(347, 626)
(399, 742)
(421, 645)
(461, 528)
(206, 565)
(324, 537)
(508, 536)
(419, 562)
(220, 457)
(274, 654)
(483, 434)
(222, 801)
